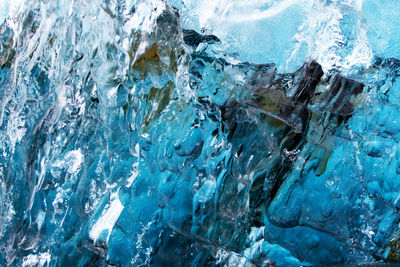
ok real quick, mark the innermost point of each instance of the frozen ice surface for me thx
(383, 26)
(199, 133)
(3, 10)
(257, 31)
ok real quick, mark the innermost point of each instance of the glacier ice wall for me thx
(199, 133)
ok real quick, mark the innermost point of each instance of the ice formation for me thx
(199, 133)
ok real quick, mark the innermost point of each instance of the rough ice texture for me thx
(128, 140)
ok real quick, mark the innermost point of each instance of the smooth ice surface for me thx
(258, 31)
(383, 26)
(199, 133)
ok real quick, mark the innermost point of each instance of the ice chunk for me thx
(219, 132)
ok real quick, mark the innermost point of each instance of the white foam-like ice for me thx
(39, 260)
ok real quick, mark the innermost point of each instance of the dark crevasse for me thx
(129, 141)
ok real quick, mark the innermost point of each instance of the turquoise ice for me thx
(199, 133)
